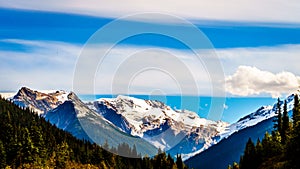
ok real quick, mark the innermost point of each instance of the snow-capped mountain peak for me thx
(261, 114)
(158, 123)
(38, 101)
(146, 115)
(175, 131)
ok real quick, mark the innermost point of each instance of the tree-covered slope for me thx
(29, 141)
(281, 149)
(229, 150)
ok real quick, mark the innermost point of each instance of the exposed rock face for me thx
(38, 101)
(68, 112)
(171, 130)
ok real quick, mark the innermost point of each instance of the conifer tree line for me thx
(281, 148)
(29, 141)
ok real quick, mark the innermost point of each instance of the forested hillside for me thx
(29, 141)
(281, 148)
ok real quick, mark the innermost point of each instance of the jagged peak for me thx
(262, 110)
(25, 90)
(72, 96)
(40, 101)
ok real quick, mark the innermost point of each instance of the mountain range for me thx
(150, 125)
(232, 146)
(71, 114)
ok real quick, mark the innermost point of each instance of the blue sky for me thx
(257, 44)
(75, 28)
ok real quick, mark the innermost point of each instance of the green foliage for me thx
(296, 112)
(27, 147)
(2, 156)
(235, 166)
(294, 145)
(97, 155)
(179, 162)
(259, 152)
(29, 141)
(285, 124)
(281, 149)
(62, 155)
(278, 121)
(248, 161)
(170, 162)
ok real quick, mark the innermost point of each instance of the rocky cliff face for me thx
(38, 101)
(175, 131)
(151, 124)
(68, 112)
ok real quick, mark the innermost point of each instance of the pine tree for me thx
(62, 155)
(2, 156)
(170, 161)
(278, 121)
(97, 155)
(247, 161)
(146, 162)
(39, 151)
(9, 142)
(106, 153)
(163, 160)
(275, 143)
(27, 146)
(267, 145)
(296, 112)
(159, 151)
(179, 162)
(294, 147)
(258, 152)
(285, 124)
(282, 149)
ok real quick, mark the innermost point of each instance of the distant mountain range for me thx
(148, 124)
(231, 147)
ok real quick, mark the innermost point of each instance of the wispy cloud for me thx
(272, 58)
(232, 10)
(143, 69)
(51, 65)
(45, 65)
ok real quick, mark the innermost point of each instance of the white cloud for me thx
(252, 81)
(140, 70)
(51, 65)
(43, 65)
(233, 10)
